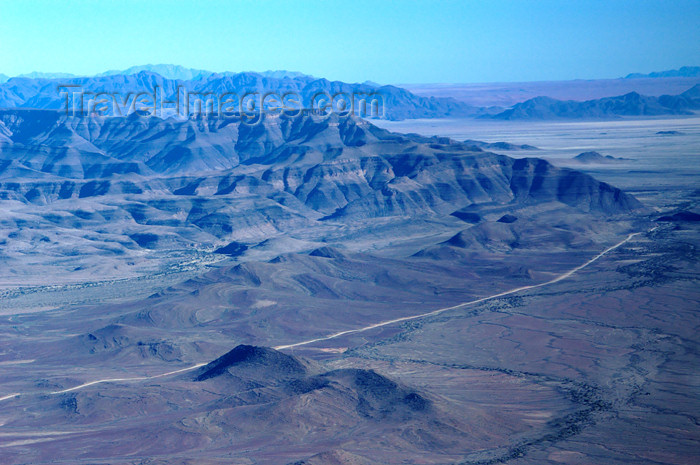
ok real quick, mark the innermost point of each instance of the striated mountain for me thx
(631, 104)
(116, 187)
(339, 167)
(41, 93)
(398, 103)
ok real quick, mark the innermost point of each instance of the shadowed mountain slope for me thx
(262, 362)
(262, 367)
(335, 166)
(119, 186)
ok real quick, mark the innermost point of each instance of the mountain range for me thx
(168, 71)
(41, 91)
(685, 71)
(396, 103)
(50, 145)
(181, 73)
(121, 186)
(175, 72)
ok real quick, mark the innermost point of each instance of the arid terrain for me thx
(450, 232)
(525, 329)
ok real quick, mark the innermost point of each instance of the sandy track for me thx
(463, 304)
(560, 277)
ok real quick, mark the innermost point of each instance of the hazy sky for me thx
(355, 40)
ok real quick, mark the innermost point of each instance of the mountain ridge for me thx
(396, 103)
(684, 71)
(146, 146)
(630, 104)
(40, 91)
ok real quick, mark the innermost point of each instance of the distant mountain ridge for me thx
(685, 71)
(499, 145)
(397, 103)
(40, 75)
(168, 71)
(176, 72)
(631, 104)
(181, 73)
(597, 158)
(39, 90)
